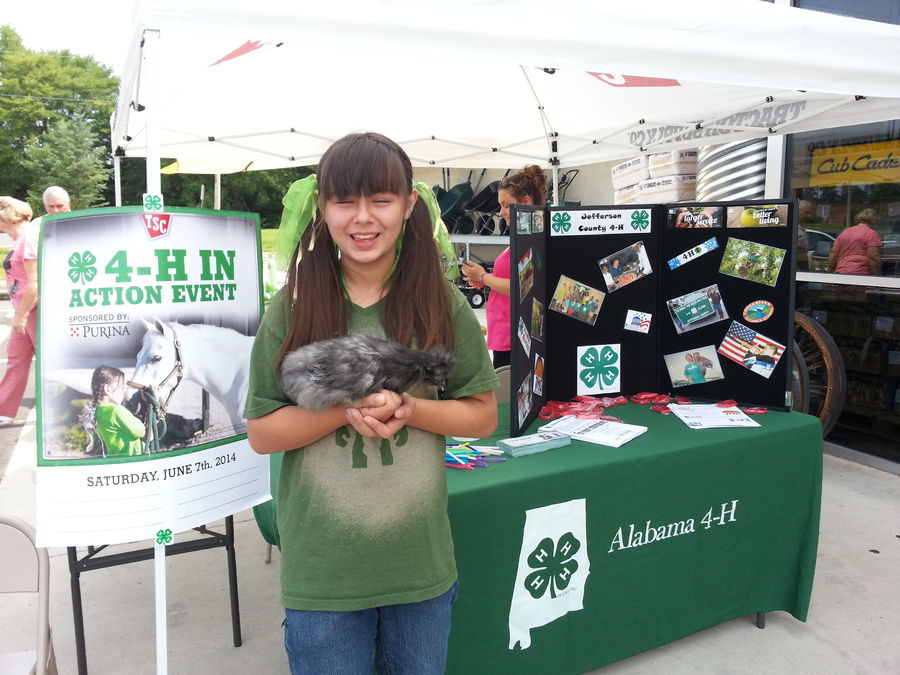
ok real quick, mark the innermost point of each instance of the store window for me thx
(843, 175)
(838, 173)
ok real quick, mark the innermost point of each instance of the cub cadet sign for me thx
(856, 164)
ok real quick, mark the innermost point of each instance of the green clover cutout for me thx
(554, 567)
(640, 220)
(152, 203)
(164, 536)
(81, 267)
(598, 366)
(561, 222)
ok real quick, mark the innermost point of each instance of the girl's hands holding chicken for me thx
(382, 414)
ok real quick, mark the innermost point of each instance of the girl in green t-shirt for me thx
(120, 431)
(367, 570)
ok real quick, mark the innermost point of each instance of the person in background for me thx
(56, 200)
(805, 213)
(857, 250)
(368, 575)
(527, 187)
(21, 283)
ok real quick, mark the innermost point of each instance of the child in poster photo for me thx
(119, 430)
(625, 266)
(694, 366)
(577, 300)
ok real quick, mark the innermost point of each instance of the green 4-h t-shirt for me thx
(363, 521)
(119, 430)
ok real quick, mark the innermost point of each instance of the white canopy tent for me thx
(235, 85)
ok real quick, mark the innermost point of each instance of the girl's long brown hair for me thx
(416, 309)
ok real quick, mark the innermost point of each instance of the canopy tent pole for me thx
(154, 187)
(117, 179)
(154, 180)
(217, 192)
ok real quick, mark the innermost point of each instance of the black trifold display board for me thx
(688, 299)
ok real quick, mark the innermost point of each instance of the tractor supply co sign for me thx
(856, 164)
(170, 301)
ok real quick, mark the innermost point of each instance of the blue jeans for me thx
(408, 639)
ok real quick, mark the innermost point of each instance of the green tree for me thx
(68, 154)
(39, 89)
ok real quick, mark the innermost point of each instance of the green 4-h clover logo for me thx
(81, 267)
(554, 566)
(561, 222)
(152, 203)
(598, 366)
(640, 220)
(164, 536)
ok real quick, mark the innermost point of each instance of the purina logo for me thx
(156, 224)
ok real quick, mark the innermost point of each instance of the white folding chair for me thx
(24, 568)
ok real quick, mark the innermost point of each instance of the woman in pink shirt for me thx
(21, 283)
(857, 250)
(527, 186)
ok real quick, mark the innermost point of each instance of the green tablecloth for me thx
(644, 596)
(639, 597)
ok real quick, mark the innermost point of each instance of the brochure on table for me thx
(692, 299)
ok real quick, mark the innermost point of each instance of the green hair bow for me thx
(300, 210)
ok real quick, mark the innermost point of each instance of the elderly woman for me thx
(857, 250)
(21, 283)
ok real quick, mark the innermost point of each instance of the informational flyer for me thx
(146, 322)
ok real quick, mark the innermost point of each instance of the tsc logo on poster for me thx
(156, 224)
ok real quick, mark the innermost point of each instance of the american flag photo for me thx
(750, 349)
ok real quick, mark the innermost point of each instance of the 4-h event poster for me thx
(139, 315)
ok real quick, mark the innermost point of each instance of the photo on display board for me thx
(751, 261)
(577, 300)
(598, 369)
(697, 309)
(523, 222)
(625, 266)
(537, 320)
(684, 217)
(750, 349)
(694, 366)
(523, 399)
(537, 222)
(526, 275)
(693, 253)
(538, 375)
(524, 337)
(636, 321)
(775, 215)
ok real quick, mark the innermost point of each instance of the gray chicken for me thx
(345, 370)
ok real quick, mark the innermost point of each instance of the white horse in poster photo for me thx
(216, 358)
